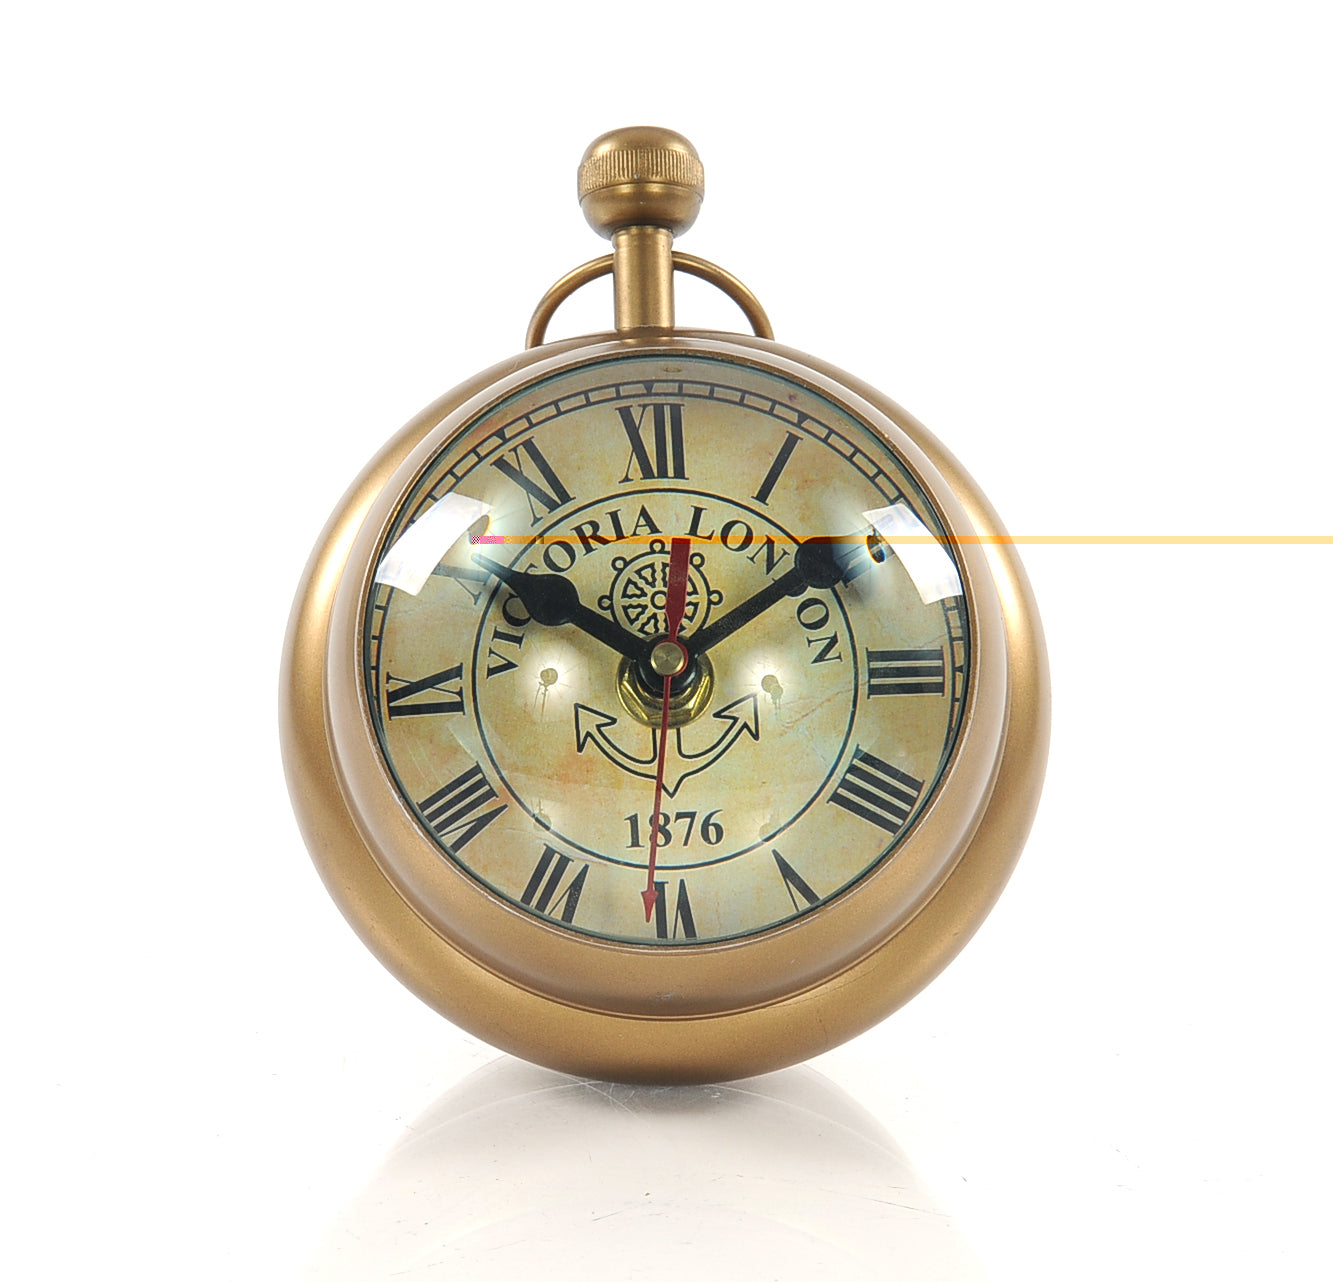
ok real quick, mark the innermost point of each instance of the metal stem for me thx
(645, 289)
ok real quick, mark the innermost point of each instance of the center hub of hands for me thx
(668, 658)
(640, 684)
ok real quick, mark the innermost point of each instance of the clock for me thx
(663, 705)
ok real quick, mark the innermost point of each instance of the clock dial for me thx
(518, 652)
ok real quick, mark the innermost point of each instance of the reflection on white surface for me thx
(927, 563)
(519, 1171)
(421, 547)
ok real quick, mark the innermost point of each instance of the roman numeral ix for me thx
(427, 697)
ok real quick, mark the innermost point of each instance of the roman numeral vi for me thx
(682, 921)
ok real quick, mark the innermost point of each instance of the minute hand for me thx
(817, 565)
(552, 601)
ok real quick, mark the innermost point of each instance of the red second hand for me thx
(678, 577)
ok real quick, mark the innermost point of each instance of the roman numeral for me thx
(550, 499)
(775, 468)
(413, 698)
(543, 889)
(795, 884)
(668, 441)
(682, 921)
(875, 791)
(452, 812)
(464, 575)
(905, 671)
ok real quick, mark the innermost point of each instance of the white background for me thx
(1088, 245)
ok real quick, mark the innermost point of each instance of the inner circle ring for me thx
(497, 593)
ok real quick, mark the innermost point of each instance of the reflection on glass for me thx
(421, 547)
(927, 562)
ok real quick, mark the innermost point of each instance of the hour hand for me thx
(819, 563)
(552, 600)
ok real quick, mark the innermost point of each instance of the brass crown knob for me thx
(640, 177)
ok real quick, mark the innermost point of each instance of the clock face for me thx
(554, 743)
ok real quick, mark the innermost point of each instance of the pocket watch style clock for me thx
(663, 705)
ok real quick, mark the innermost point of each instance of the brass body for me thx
(630, 1013)
(696, 1013)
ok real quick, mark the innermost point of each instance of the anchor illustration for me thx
(740, 717)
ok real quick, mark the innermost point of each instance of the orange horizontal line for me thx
(993, 540)
(1235, 540)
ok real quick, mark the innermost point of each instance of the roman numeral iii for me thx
(905, 671)
(877, 792)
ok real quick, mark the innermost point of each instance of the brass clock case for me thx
(691, 1005)
(613, 1009)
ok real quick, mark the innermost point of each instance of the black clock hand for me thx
(789, 584)
(820, 563)
(553, 600)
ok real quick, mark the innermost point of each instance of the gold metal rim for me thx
(691, 265)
